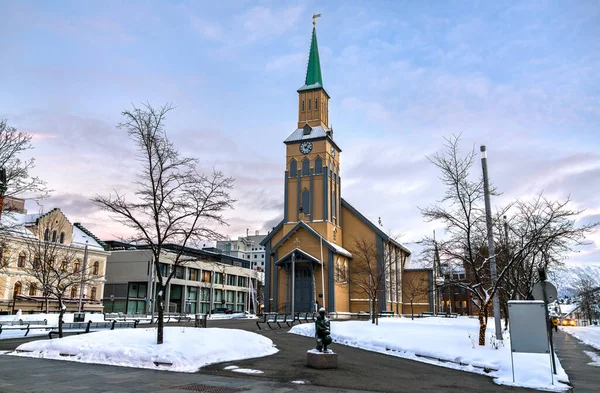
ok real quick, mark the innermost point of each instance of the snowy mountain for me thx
(565, 278)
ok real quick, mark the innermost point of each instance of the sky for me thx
(519, 77)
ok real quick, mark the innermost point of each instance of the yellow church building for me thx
(325, 252)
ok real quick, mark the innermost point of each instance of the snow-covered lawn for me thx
(448, 342)
(589, 335)
(184, 349)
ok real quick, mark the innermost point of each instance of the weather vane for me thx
(315, 16)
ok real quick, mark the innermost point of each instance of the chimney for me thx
(256, 232)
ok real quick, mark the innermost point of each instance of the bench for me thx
(427, 314)
(268, 318)
(386, 314)
(305, 316)
(288, 319)
(28, 327)
(450, 315)
(86, 327)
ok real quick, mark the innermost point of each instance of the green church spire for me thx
(313, 72)
(313, 80)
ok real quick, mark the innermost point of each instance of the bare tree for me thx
(366, 276)
(173, 203)
(55, 265)
(588, 293)
(414, 287)
(544, 228)
(18, 180)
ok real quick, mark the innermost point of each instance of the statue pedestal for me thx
(321, 360)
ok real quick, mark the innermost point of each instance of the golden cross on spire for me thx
(315, 16)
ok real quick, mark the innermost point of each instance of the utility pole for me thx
(85, 256)
(492, 252)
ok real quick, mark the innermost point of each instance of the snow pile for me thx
(448, 342)
(183, 350)
(589, 335)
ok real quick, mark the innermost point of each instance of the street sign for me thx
(538, 291)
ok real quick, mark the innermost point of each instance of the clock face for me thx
(305, 147)
(332, 151)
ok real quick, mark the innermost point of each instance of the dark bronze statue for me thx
(322, 331)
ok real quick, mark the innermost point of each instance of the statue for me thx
(322, 331)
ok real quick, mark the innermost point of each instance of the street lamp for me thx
(85, 256)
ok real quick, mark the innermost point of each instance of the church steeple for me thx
(313, 71)
(313, 100)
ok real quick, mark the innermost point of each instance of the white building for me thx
(211, 281)
(247, 248)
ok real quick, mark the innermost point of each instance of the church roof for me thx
(314, 79)
(315, 133)
(374, 227)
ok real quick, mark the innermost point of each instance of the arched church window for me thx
(302, 105)
(293, 168)
(305, 167)
(47, 234)
(62, 237)
(306, 202)
(345, 271)
(318, 165)
(21, 261)
(73, 291)
(54, 235)
(316, 104)
(32, 290)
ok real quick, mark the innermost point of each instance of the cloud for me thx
(209, 30)
(260, 22)
(284, 61)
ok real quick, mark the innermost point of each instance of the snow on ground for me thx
(187, 349)
(589, 335)
(595, 358)
(51, 322)
(447, 342)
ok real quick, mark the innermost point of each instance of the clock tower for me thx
(312, 185)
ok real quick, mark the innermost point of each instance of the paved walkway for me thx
(584, 377)
(358, 371)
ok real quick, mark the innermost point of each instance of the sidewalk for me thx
(584, 378)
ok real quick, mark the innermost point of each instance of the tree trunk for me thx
(60, 317)
(161, 313)
(482, 324)
(412, 311)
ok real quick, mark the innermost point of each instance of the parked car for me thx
(221, 310)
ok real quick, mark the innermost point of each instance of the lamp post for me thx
(3, 188)
(85, 255)
(492, 251)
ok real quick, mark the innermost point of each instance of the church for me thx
(325, 253)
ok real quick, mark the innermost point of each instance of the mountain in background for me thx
(565, 277)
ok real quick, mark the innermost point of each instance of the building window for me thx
(47, 234)
(54, 236)
(255, 256)
(306, 202)
(36, 263)
(96, 268)
(305, 167)
(206, 276)
(32, 290)
(316, 104)
(309, 101)
(73, 291)
(93, 295)
(345, 272)
(62, 237)
(76, 267)
(63, 266)
(293, 168)
(17, 288)
(179, 272)
(219, 278)
(318, 166)
(192, 274)
(21, 261)
(302, 105)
